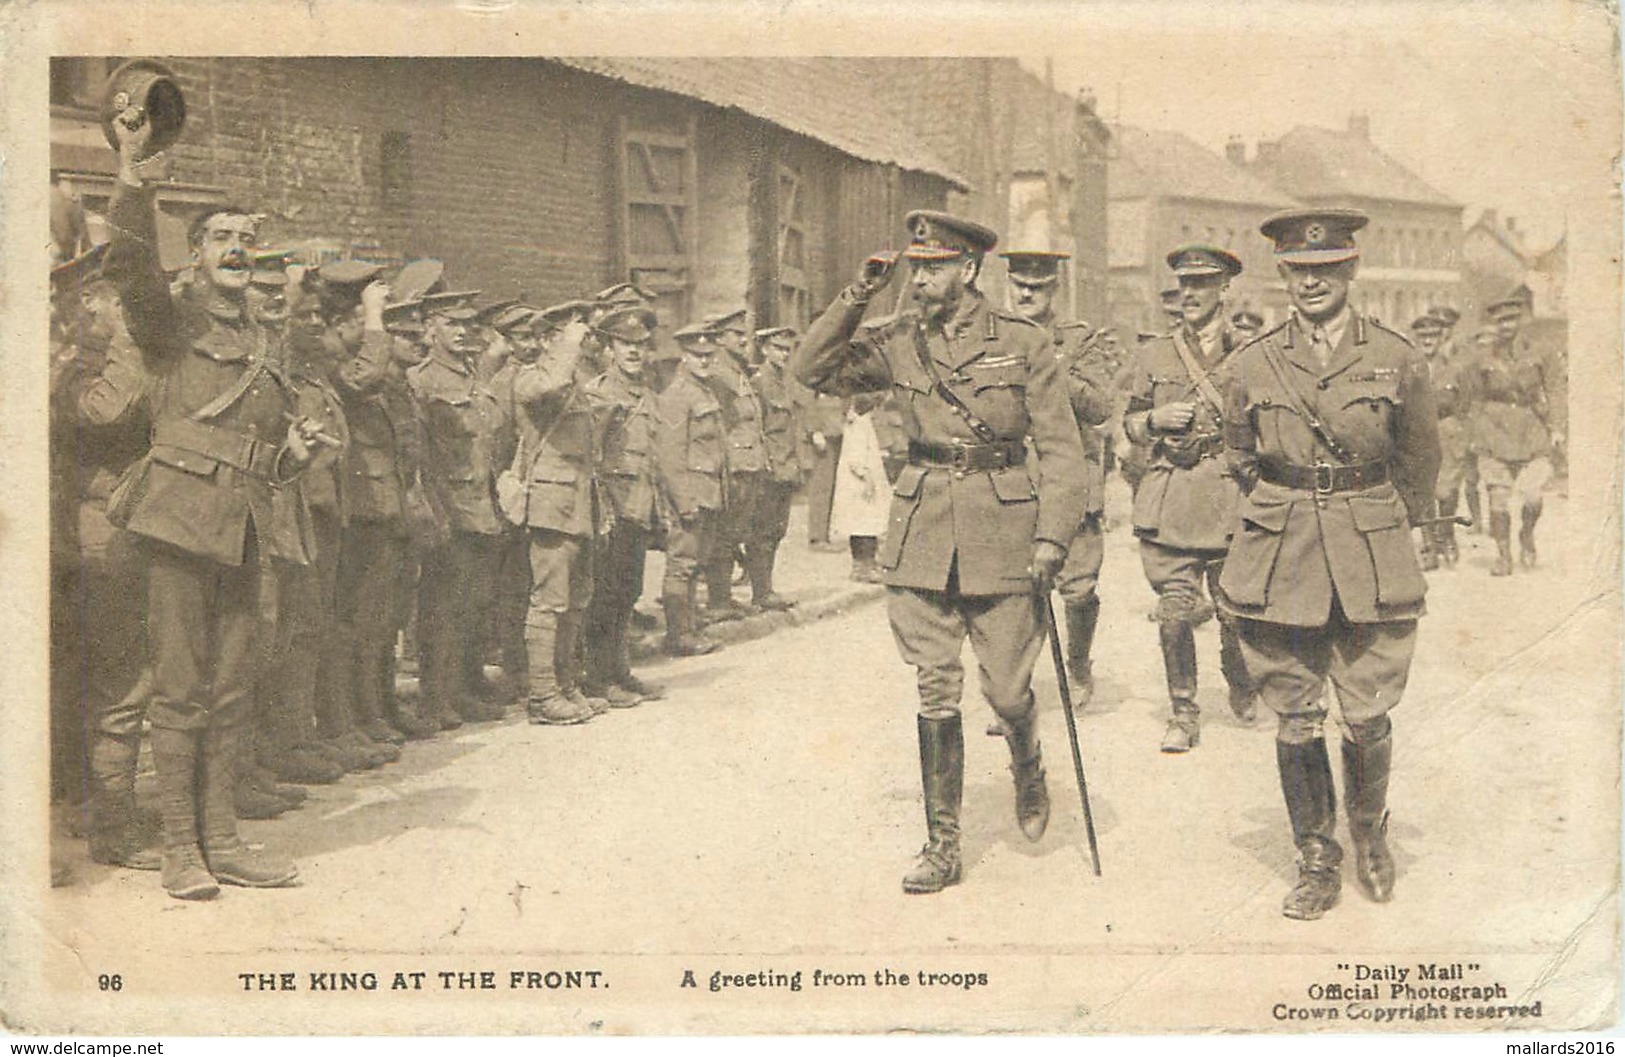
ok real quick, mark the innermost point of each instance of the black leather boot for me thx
(1365, 785)
(1501, 532)
(942, 774)
(1027, 767)
(114, 837)
(1081, 619)
(174, 757)
(1179, 661)
(1311, 804)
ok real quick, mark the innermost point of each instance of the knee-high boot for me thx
(1365, 785)
(942, 774)
(1179, 662)
(1081, 619)
(228, 858)
(1311, 804)
(113, 837)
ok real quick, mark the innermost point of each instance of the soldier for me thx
(1331, 428)
(747, 462)
(1458, 355)
(1034, 277)
(975, 529)
(625, 409)
(1444, 378)
(208, 500)
(780, 434)
(822, 418)
(1519, 414)
(555, 499)
(1247, 323)
(459, 418)
(1186, 503)
(689, 445)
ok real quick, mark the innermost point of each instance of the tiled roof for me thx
(1153, 164)
(821, 98)
(1317, 164)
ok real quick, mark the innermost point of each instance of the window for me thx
(658, 201)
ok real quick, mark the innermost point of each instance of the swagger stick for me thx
(1071, 728)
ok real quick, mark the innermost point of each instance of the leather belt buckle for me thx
(1323, 480)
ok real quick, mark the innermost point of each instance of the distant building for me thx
(1166, 189)
(1411, 254)
(715, 182)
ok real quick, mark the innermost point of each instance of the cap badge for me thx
(1315, 234)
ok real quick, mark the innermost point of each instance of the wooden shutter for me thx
(659, 195)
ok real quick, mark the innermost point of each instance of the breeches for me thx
(1005, 632)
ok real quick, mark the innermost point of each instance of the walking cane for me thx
(1071, 728)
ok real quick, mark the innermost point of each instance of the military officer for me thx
(459, 418)
(1034, 277)
(625, 408)
(557, 503)
(1444, 378)
(747, 461)
(1185, 505)
(690, 439)
(1458, 355)
(1330, 423)
(1519, 412)
(780, 435)
(210, 501)
(976, 527)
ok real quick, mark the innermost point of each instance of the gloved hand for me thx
(1046, 565)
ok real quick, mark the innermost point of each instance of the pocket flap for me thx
(1270, 517)
(909, 481)
(1372, 513)
(182, 459)
(1013, 485)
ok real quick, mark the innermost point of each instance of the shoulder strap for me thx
(1299, 404)
(984, 432)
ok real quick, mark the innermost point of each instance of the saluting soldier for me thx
(1519, 413)
(976, 528)
(781, 436)
(624, 407)
(1184, 508)
(690, 439)
(211, 501)
(747, 461)
(459, 418)
(1034, 277)
(557, 503)
(1330, 423)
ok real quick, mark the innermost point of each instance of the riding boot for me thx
(1081, 619)
(1179, 662)
(174, 757)
(1311, 804)
(1501, 532)
(1365, 785)
(942, 774)
(1243, 695)
(114, 838)
(1526, 534)
(228, 858)
(1027, 767)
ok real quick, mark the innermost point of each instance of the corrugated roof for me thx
(825, 99)
(1155, 164)
(1317, 164)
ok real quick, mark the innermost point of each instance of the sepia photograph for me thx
(1073, 518)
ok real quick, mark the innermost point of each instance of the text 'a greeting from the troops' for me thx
(720, 981)
(1390, 994)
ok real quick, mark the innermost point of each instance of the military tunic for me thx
(1089, 390)
(966, 512)
(690, 441)
(780, 436)
(747, 471)
(1513, 416)
(1322, 572)
(1445, 378)
(211, 496)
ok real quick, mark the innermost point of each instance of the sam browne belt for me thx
(995, 455)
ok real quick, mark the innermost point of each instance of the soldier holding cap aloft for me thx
(212, 499)
(1034, 277)
(690, 445)
(978, 531)
(1185, 505)
(1331, 426)
(1519, 413)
